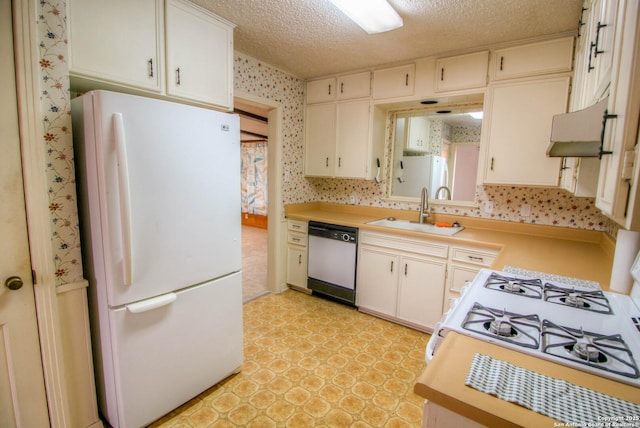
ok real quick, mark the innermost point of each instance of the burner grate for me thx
(526, 287)
(589, 300)
(605, 352)
(518, 329)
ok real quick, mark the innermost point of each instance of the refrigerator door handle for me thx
(151, 304)
(125, 199)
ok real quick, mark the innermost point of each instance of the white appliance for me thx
(159, 192)
(570, 322)
(416, 172)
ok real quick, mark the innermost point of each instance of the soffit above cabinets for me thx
(312, 38)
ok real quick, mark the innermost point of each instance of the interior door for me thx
(22, 394)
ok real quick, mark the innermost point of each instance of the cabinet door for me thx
(421, 290)
(603, 32)
(352, 145)
(297, 266)
(417, 133)
(394, 82)
(618, 195)
(518, 130)
(354, 86)
(199, 55)
(123, 46)
(554, 56)
(459, 276)
(322, 90)
(462, 72)
(320, 140)
(377, 285)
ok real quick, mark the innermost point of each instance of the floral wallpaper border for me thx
(549, 206)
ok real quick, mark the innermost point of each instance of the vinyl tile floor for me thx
(310, 362)
(254, 262)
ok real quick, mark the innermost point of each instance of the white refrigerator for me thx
(159, 198)
(415, 172)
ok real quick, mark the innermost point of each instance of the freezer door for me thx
(168, 180)
(166, 354)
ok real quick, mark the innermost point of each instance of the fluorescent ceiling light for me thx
(374, 16)
(476, 114)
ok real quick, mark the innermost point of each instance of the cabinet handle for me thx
(150, 62)
(392, 266)
(501, 63)
(597, 51)
(480, 259)
(329, 89)
(295, 226)
(406, 79)
(589, 66)
(581, 22)
(405, 269)
(178, 76)
(442, 74)
(492, 159)
(339, 162)
(299, 259)
(605, 118)
(295, 239)
(327, 162)
(342, 87)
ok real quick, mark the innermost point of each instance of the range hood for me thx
(578, 134)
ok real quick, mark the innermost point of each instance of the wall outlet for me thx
(487, 207)
(353, 199)
(525, 210)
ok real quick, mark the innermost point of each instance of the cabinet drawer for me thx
(481, 257)
(400, 243)
(297, 238)
(297, 226)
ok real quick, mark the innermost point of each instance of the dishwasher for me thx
(332, 261)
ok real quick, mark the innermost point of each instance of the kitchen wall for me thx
(549, 206)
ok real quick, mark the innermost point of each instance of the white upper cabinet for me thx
(320, 140)
(323, 90)
(199, 55)
(123, 47)
(618, 196)
(337, 142)
(394, 82)
(553, 56)
(354, 86)
(516, 130)
(462, 72)
(347, 87)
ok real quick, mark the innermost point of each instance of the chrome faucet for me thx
(424, 205)
(447, 192)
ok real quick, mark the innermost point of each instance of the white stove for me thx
(575, 324)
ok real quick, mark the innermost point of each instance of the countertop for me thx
(443, 383)
(563, 251)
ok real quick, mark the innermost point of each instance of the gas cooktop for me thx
(574, 324)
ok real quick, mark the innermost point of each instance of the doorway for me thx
(254, 140)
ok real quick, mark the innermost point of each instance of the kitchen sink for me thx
(394, 223)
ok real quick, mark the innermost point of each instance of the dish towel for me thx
(558, 399)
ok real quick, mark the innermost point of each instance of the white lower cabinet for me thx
(401, 279)
(297, 239)
(464, 264)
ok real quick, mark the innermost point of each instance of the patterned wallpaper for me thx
(549, 206)
(56, 120)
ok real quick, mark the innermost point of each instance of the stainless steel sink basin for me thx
(415, 226)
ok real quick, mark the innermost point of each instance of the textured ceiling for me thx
(311, 38)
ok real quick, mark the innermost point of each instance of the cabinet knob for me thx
(14, 283)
